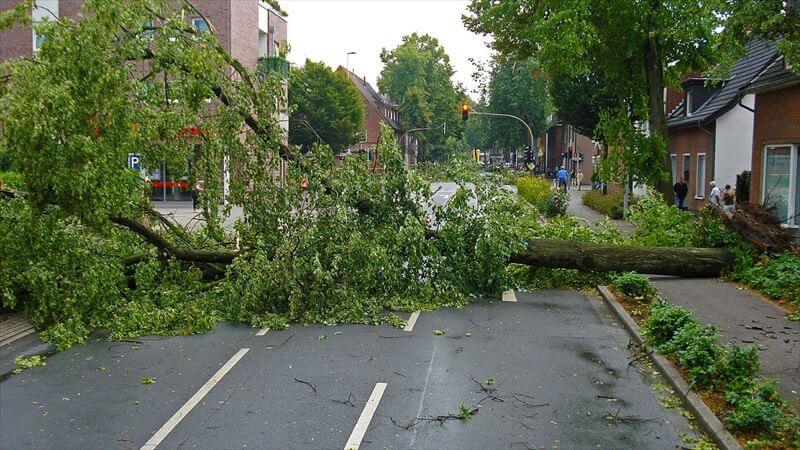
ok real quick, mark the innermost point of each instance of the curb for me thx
(711, 424)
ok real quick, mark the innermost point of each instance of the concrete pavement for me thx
(549, 370)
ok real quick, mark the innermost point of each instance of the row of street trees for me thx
(618, 55)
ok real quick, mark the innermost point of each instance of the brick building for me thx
(776, 142)
(379, 108)
(252, 31)
(711, 126)
(561, 138)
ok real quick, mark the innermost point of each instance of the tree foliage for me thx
(325, 105)
(417, 75)
(634, 47)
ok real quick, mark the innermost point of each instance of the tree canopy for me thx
(417, 75)
(325, 106)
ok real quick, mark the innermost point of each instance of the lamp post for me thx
(348, 62)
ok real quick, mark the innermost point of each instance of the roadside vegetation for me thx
(608, 204)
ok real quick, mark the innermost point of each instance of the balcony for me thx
(273, 64)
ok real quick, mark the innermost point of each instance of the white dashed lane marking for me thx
(509, 296)
(412, 319)
(366, 417)
(262, 332)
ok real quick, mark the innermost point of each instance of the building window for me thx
(38, 40)
(781, 186)
(689, 103)
(700, 181)
(687, 160)
(201, 25)
(674, 165)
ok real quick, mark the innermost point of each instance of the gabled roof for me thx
(378, 101)
(775, 76)
(760, 54)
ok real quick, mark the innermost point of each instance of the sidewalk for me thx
(743, 317)
(578, 209)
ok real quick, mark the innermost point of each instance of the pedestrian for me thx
(572, 177)
(198, 188)
(579, 178)
(728, 198)
(681, 189)
(561, 178)
(715, 197)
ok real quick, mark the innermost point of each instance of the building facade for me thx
(711, 126)
(252, 31)
(775, 179)
(378, 109)
(562, 138)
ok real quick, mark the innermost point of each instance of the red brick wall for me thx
(280, 25)
(693, 140)
(16, 42)
(777, 121)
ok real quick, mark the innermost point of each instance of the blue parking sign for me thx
(134, 161)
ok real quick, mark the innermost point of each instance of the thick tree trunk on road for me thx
(683, 262)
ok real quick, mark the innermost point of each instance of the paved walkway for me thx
(743, 317)
(578, 209)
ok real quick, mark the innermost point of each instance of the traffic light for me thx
(464, 112)
(528, 153)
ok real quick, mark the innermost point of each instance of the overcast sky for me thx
(325, 30)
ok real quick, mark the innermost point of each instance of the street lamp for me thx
(348, 61)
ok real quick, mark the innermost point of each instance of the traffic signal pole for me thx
(530, 133)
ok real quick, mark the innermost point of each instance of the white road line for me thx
(412, 319)
(509, 296)
(192, 402)
(366, 417)
(262, 332)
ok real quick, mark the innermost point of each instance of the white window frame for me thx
(673, 158)
(689, 103)
(700, 193)
(685, 167)
(794, 153)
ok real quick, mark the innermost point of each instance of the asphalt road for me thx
(558, 364)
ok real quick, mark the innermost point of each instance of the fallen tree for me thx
(683, 262)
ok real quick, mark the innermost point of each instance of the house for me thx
(252, 31)
(776, 141)
(711, 128)
(562, 138)
(378, 109)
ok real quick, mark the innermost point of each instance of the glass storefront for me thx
(167, 186)
(781, 182)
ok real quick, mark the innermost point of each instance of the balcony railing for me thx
(273, 64)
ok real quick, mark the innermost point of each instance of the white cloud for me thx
(325, 30)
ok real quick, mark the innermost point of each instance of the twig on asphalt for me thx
(285, 341)
(350, 400)
(396, 337)
(313, 388)
(399, 374)
(645, 355)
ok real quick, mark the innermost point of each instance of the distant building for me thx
(563, 146)
(379, 108)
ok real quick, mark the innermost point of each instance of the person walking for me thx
(579, 178)
(198, 188)
(681, 189)
(715, 197)
(728, 198)
(561, 177)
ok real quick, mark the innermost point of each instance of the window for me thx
(689, 103)
(700, 181)
(781, 186)
(674, 164)
(38, 40)
(201, 25)
(687, 161)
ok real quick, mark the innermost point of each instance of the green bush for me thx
(633, 285)
(696, 349)
(556, 203)
(740, 367)
(757, 409)
(609, 204)
(534, 189)
(777, 277)
(664, 321)
(12, 180)
(660, 224)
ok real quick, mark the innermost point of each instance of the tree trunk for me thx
(654, 73)
(683, 262)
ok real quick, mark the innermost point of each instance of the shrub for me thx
(757, 409)
(696, 349)
(12, 180)
(609, 204)
(664, 321)
(633, 285)
(740, 368)
(777, 277)
(660, 224)
(556, 203)
(534, 189)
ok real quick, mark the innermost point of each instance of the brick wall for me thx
(17, 41)
(777, 121)
(693, 140)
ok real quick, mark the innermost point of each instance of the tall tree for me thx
(636, 46)
(517, 88)
(417, 74)
(325, 106)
